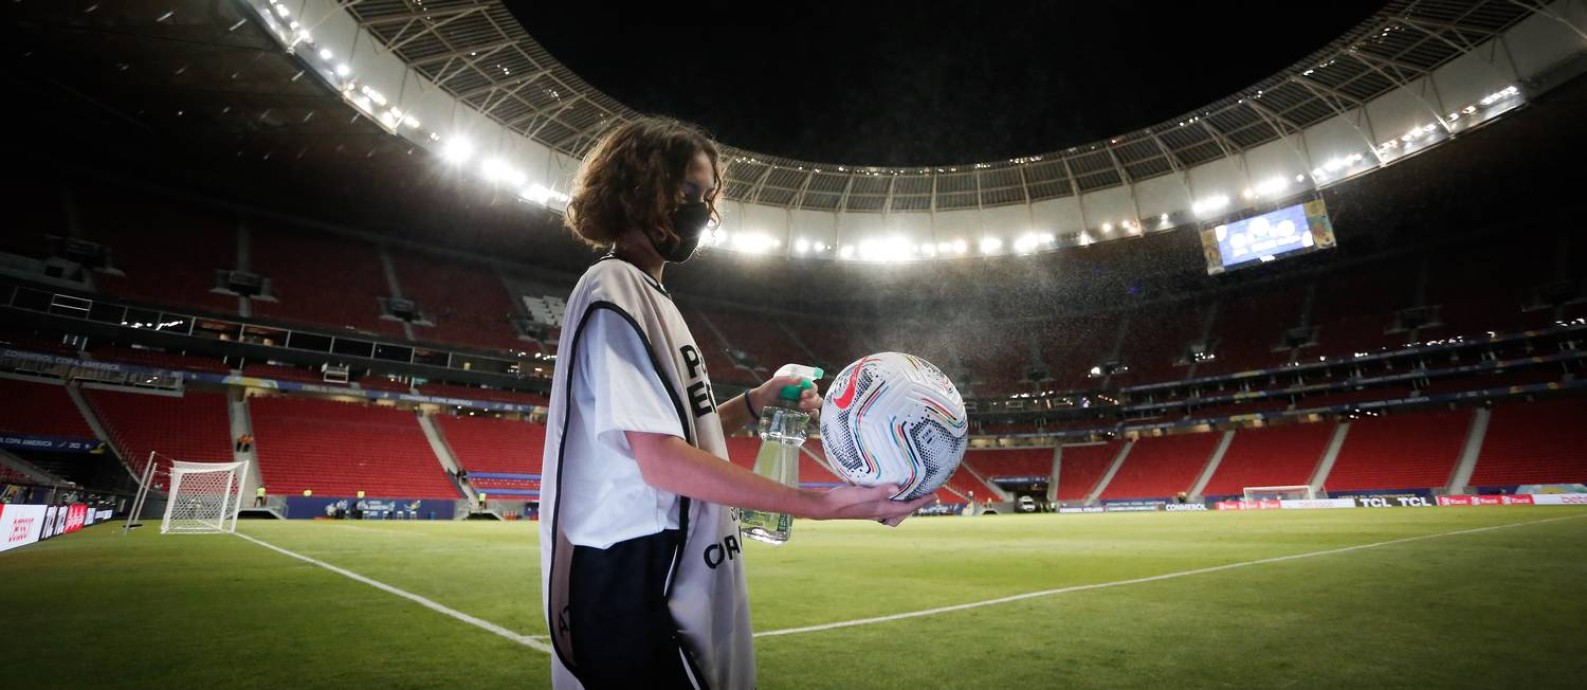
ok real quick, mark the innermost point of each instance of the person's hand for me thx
(770, 393)
(865, 503)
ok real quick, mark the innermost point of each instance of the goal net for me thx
(204, 497)
(1280, 493)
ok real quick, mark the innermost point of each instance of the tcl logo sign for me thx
(21, 530)
(1393, 502)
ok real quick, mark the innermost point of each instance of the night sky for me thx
(916, 83)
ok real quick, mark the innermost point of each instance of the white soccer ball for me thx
(892, 418)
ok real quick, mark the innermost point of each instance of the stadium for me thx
(1282, 390)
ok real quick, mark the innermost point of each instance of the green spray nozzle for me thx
(808, 374)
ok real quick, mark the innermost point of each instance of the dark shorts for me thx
(624, 635)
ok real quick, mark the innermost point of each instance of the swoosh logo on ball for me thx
(847, 397)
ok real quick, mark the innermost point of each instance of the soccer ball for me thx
(892, 418)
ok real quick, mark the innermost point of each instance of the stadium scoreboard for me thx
(1289, 231)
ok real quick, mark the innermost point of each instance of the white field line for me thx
(1137, 581)
(525, 640)
(533, 641)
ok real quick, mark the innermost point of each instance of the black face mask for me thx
(689, 223)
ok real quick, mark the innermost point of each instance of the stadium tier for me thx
(1352, 311)
(1400, 451)
(446, 390)
(1072, 346)
(284, 373)
(1542, 442)
(1156, 340)
(339, 449)
(714, 346)
(1080, 468)
(194, 427)
(762, 337)
(742, 450)
(322, 279)
(376, 383)
(505, 447)
(41, 409)
(1009, 463)
(1269, 456)
(1249, 327)
(167, 252)
(158, 359)
(467, 302)
(1161, 466)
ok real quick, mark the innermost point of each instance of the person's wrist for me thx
(805, 503)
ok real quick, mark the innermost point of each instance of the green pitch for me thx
(1489, 608)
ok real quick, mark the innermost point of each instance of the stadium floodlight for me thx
(960, 247)
(1086, 239)
(1271, 186)
(1026, 243)
(282, 11)
(991, 245)
(1107, 228)
(754, 242)
(498, 171)
(1210, 205)
(847, 252)
(343, 70)
(801, 245)
(374, 95)
(326, 54)
(457, 151)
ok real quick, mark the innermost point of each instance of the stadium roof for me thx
(478, 52)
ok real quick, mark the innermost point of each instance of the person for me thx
(641, 564)
(259, 497)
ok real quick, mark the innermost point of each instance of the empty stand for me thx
(1352, 310)
(1250, 324)
(1081, 467)
(757, 334)
(999, 463)
(35, 207)
(509, 449)
(338, 449)
(446, 390)
(1161, 466)
(1156, 339)
(1070, 347)
(1269, 456)
(169, 251)
(284, 373)
(1534, 443)
(743, 449)
(40, 409)
(1401, 451)
(490, 444)
(718, 364)
(467, 302)
(158, 359)
(322, 279)
(193, 428)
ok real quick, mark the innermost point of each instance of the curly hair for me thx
(634, 178)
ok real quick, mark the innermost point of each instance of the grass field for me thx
(1465, 606)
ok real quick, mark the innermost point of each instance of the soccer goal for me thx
(1290, 492)
(201, 497)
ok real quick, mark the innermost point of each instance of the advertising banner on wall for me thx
(20, 525)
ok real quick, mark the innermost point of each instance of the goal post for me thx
(1286, 492)
(204, 498)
